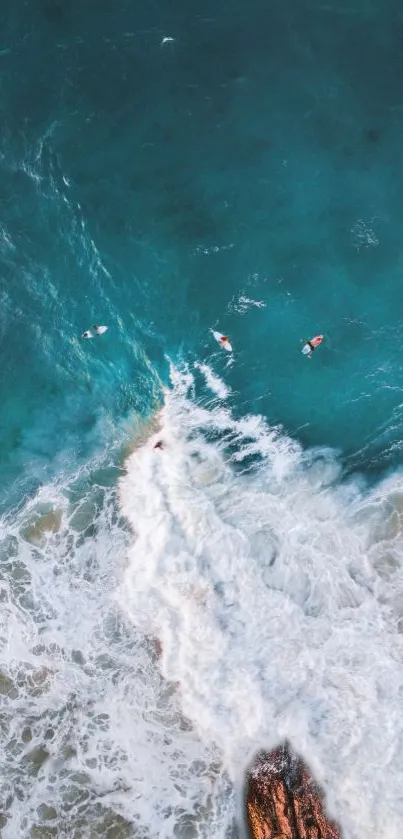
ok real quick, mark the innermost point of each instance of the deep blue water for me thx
(148, 187)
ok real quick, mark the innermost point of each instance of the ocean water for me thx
(166, 614)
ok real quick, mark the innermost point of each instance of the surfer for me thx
(223, 340)
(159, 445)
(310, 346)
(99, 330)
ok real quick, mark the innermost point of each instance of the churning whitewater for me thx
(94, 740)
(276, 591)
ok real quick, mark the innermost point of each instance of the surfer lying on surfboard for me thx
(99, 330)
(310, 346)
(223, 340)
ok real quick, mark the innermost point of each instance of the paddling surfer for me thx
(311, 345)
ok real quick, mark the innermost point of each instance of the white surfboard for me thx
(99, 330)
(222, 340)
(306, 350)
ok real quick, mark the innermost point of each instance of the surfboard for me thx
(226, 345)
(306, 350)
(101, 329)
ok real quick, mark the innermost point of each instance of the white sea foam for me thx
(93, 739)
(363, 234)
(277, 593)
(213, 382)
(241, 303)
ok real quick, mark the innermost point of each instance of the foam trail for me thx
(213, 382)
(277, 595)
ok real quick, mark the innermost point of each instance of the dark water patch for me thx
(372, 135)
(55, 11)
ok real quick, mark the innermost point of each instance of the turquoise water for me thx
(245, 177)
(148, 187)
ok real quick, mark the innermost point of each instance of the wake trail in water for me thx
(276, 590)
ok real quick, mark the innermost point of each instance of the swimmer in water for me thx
(310, 346)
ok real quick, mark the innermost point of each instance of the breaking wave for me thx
(276, 590)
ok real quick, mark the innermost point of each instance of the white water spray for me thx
(277, 594)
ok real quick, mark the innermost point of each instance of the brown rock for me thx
(283, 801)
